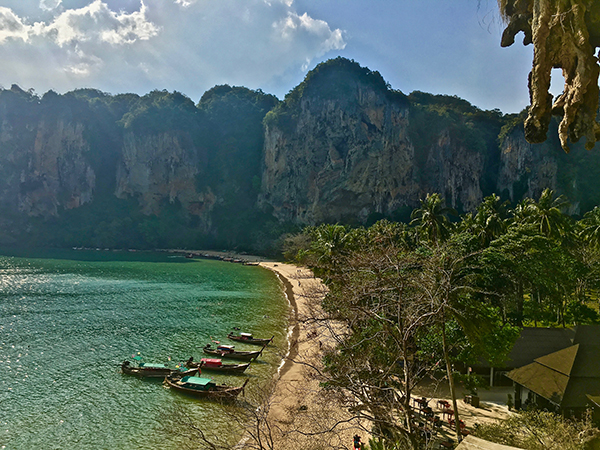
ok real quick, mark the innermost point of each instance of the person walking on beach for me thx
(357, 445)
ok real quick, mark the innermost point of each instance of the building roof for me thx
(547, 376)
(535, 342)
(474, 443)
(569, 376)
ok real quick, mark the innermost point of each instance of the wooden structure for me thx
(565, 380)
(473, 443)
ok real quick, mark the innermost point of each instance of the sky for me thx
(447, 47)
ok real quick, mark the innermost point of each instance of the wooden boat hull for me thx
(252, 341)
(242, 356)
(220, 392)
(231, 369)
(153, 372)
(144, 373)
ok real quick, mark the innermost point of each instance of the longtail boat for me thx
(247, 338)
(203, 387)
(215, 365)
(228, 351)
(152, 370)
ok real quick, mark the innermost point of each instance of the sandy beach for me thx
(300, 414)
(298, 403)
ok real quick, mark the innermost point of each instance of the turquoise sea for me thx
(69, 318)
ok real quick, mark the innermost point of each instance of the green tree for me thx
(589, 228)
(491, 219)
(538, 430)
(547, 214)
(431, 221)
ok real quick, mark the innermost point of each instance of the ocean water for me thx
(68, 319)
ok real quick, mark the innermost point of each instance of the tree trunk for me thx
(520, 304)
(407, 390)
(451, 382)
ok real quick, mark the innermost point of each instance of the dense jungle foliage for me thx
(426, 298)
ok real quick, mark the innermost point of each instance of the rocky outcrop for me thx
(53, 171)
(526, 169)
(455, 171)
(340, 162)
(159, 168)
(342, 147)
(345, 154)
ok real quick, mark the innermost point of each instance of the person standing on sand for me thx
(357, 445)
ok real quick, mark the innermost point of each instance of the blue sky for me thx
(439, 46)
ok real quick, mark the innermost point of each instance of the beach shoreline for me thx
(299, 411)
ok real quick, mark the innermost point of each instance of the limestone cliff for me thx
(241, 167)
(343, 147)
(43, 160)
(158, 168)
(526, 169)
(57, 174)
(343, 160)
(455, 171)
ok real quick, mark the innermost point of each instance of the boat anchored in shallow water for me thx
(247, 338)
(153, 370)
(203, 387)
(215, 365)
(150, 370)
(228, 351)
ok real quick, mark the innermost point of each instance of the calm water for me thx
(68, 319)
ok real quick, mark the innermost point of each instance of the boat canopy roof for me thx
(226, 347)
(198, 381)
(246, 335)
(153, 366)
(211, 361)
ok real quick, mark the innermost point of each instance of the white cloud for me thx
(49, 5)
(96, 22)
(11, 26)
(315, 34)
(185, 3)
(92, 23)
(295, 25)
(82, 65)
(184, 45)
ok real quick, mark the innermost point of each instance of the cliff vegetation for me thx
(240, 168)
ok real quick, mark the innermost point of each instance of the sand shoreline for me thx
(299, 413)
(297, 408)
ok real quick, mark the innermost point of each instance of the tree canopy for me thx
(426, 298)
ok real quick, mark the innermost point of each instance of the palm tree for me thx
(329, 242)
(492, 219)
(547, 214)
(431, 219)
(590, 228)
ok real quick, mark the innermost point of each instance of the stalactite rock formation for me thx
(565, 34)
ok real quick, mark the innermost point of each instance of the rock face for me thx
(344, 160)
(43, 164)
(57, 174)
(345, 155)
(241, 165)
(155, 168)
(455, 171)
(526, 169)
